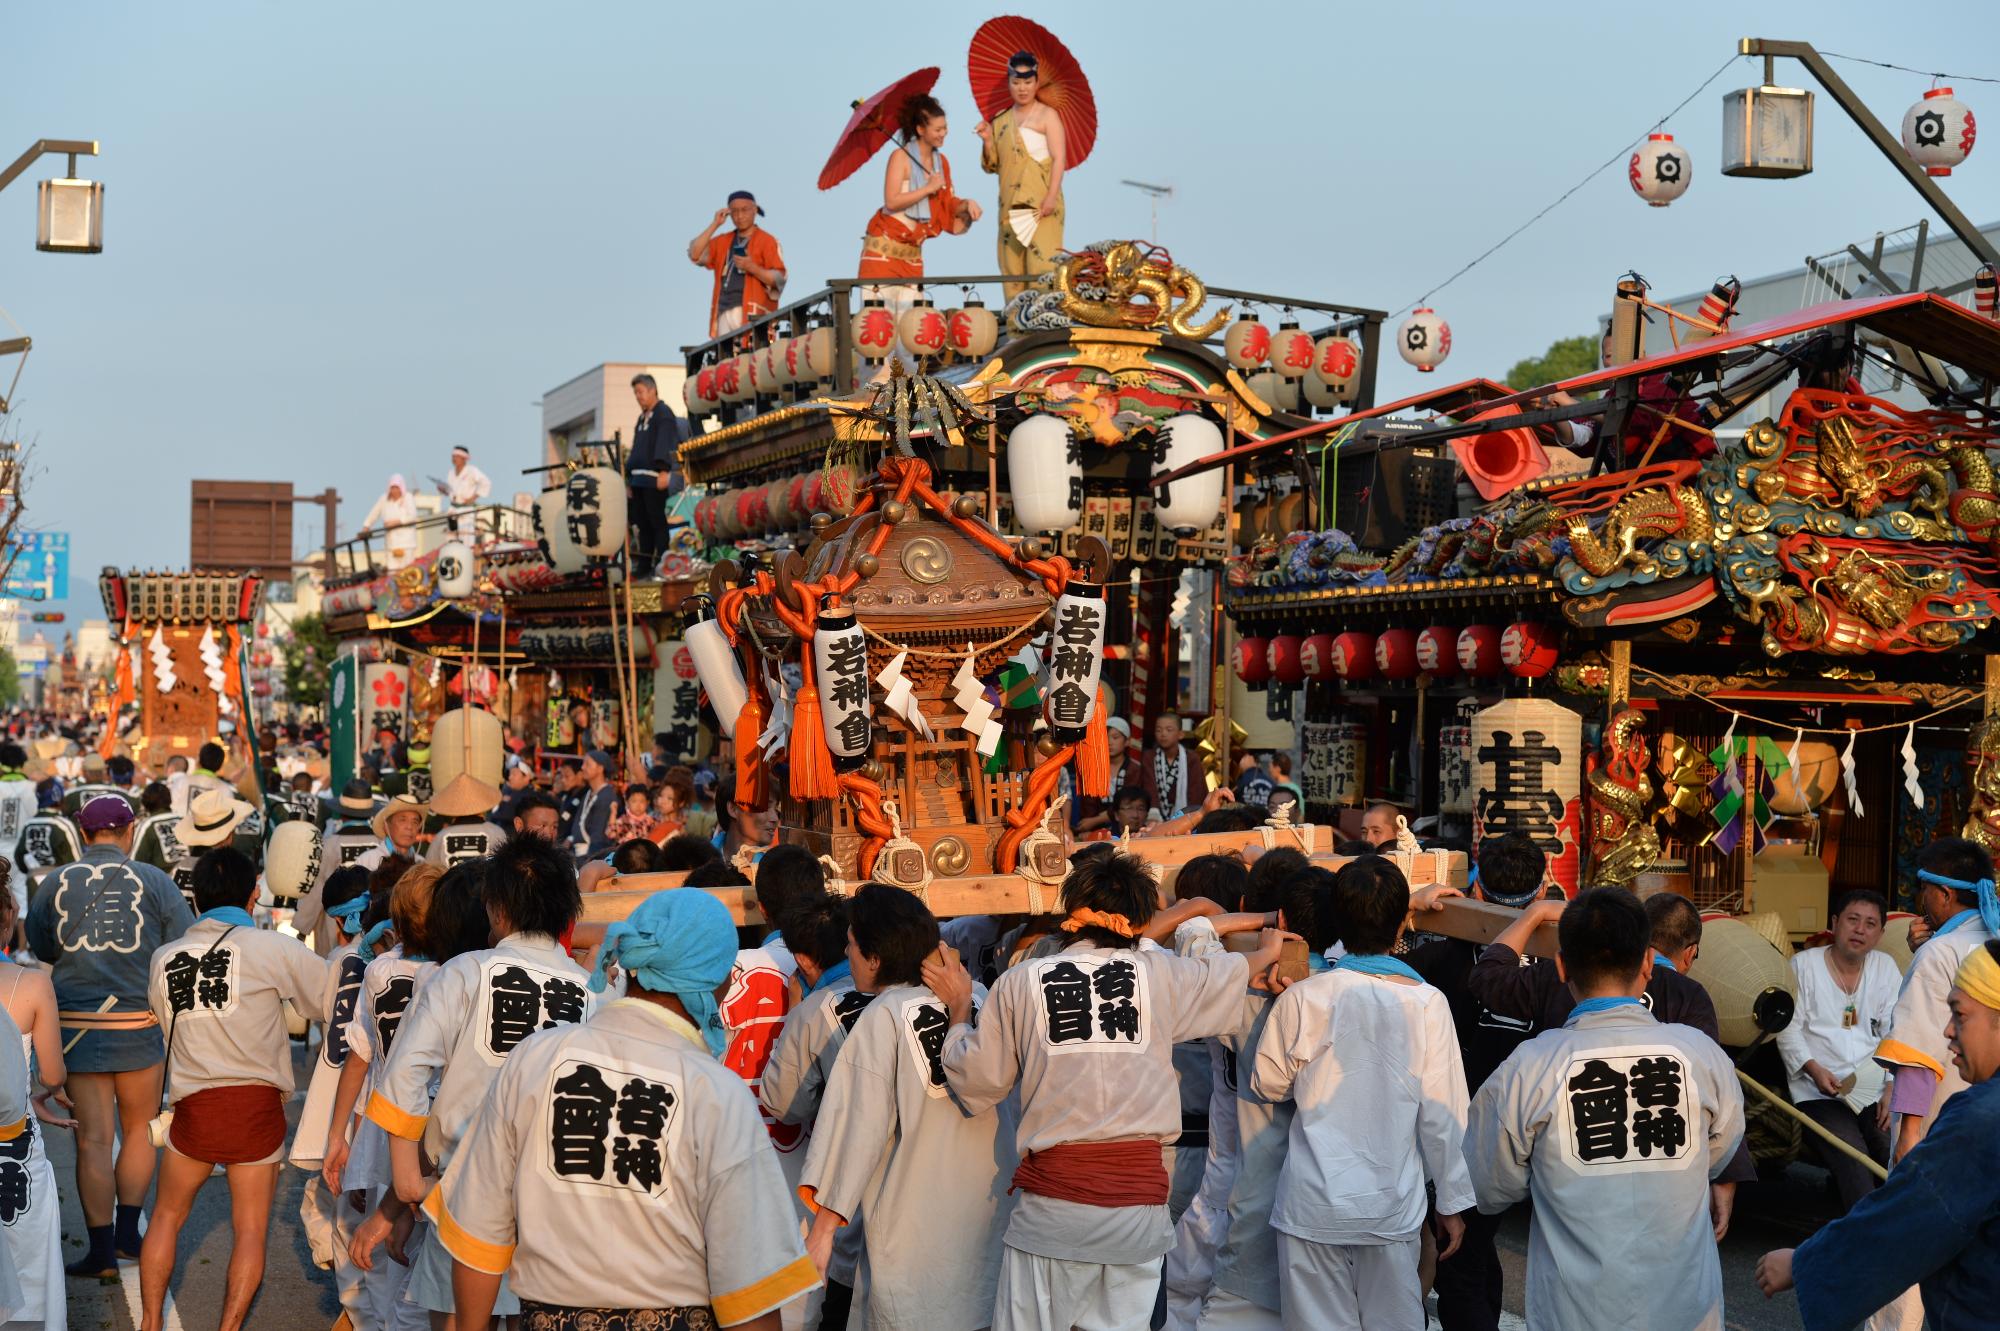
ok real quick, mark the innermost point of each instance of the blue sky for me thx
(340, 239)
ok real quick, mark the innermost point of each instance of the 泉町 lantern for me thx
(1076, 660)
(552, 532)
(1396, 653)
(874, 330)
(922, 330)
(1424, 340)
(973, 332)
(1659, 170)
(1938, 132)
(1283, 653)
(720, 671)
(1479, 651)
(1247, 344)
(1527, 758)
(1316, 656)
(1045, 469)
(1291, 350)
(454, 570)
(1354, 656)
(1337, 364)
(840, 673)
(1253, 659)
(1528, 649)
(594, 508)
(1191, 503)
(1437, 651)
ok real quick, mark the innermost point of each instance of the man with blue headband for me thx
(655, 1196)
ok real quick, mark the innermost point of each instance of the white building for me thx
(93, 646)
(598, 404)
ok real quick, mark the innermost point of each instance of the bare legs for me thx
(251, 1188)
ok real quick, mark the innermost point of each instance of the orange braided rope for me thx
(869, 816)
(1034, 803)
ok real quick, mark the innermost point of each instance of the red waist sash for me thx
(1122, 1173)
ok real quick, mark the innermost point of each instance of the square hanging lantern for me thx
(1767, 132)
(71, 216)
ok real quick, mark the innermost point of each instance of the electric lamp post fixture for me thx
(70, 212)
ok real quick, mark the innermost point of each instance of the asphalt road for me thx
(1775, 1213)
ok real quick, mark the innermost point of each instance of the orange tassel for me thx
(753, 784)
(812, 764)
(1093, 756)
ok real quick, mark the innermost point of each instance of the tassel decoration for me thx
(812, 763)
(753, 778)
(1093, 756)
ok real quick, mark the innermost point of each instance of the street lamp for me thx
(70, 215)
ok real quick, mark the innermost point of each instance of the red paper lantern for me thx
(1291, 350)
(1528, 649)
(797, 499)
(1396, 653)
(1354, 656)
(746, 512)
(1479, 651)
(1286, 667)
(1253, 660)
(1437, 651)
(704, 517)
(760, 507)
(1316, 656)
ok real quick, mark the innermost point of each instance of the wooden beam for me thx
(1482, 922)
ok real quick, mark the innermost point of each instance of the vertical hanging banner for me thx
(1076, 660)
(1455, 792)
(1347, 761)
(385, 701)
(1528, 774)
(1316, 778)
(677, 700)
(840, 672)
(343, 719)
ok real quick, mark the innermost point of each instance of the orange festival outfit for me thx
(892, 249)
(763, 251)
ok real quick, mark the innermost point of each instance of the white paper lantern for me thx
(450, 744)
(594, 510)
(291, 861)
(384, 703)
(552, 531)
(720, 671)
(1045, 471)
(973, 331)
(1317, 394)
(1527, 756)
(874, 330)
(1291, 350)
(1660, 170)
(1337, 364)
(840, 673)
(1247, 344)
(454, 570)
(729, 385)
(816, 354)
(1424, 340)
(922, 330)
(1938, 132)
(1075, 661)
(1278, 392)
(1192, 503)
(771, 364)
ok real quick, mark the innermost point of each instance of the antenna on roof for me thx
(1155, 193)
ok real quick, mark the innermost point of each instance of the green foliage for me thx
(1565, 359)
(308, 652)
(10, 679)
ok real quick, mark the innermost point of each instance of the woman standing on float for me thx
(917, 203)
(1024, 146)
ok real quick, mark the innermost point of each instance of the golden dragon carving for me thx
(1679, 511)
(1622, 839)
(1139, 291)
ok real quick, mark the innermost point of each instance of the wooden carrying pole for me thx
(1865, 1161)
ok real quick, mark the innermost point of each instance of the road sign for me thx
(41, 567)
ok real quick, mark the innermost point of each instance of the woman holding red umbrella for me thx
(917, 201)
(1025, 147)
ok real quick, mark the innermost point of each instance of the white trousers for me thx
(1048, 1294)
(1224, 1311)
(1371, 1288)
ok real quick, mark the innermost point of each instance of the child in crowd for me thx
(637, 819)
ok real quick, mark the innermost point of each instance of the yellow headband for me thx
(1085, 917)
(1979, 977)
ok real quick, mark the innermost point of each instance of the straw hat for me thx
(355, 797)
(400, 804)
(50, 748)
(212, 818)
(464, 796)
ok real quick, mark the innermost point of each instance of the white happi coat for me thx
(223, 1009)
(796, 1076)
(464, 841)
(1190, 1265)
(893, 1148)
(1372, 1065)
(344, 969)
(1916, 1030)
(463, 1023)
(1615, 1124)
(617, 1165)
(1088, 1034)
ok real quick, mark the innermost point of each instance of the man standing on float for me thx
(1024, 147)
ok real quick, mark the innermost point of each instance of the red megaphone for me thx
(1500, 460)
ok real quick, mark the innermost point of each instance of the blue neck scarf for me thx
(228, 915)
(1955, 921)
(365, 949)
(1988, 907)
(348, 914)
(1377, 963)
(1590, 1005)
(1660, 962)
(1317, 964)
(679, 943)
(831, 975)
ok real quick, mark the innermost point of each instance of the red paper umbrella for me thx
(1064, 88)
(874, 124)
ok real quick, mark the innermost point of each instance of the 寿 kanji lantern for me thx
(1045, 470)
(1253, 660)
(726, 372)
(1938, 132)
(754, 509)
(799, 497)
(1286, 666)
(594, 510)
(1396, 653)
(1247, 344)
(693, 391)
(874, 330)
(1291, 350)
(1337, 363)
(746, 376)
(1528, 649)
(973, 331)
(816, 354)
(704, 517)
(1437, 651)
(1354, 656)
(922, 330)
(1316, 656)
(1479, 651)
(1191, 503)
(1660, 170)
(1424, 340)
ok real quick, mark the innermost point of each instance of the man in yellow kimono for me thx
(1024, 147)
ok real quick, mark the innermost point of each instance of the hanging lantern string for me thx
(1933, 75)
(978, 649)
(1615, 159)
(1681, 690)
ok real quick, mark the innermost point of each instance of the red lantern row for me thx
(782, 505)
(1525, 649)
